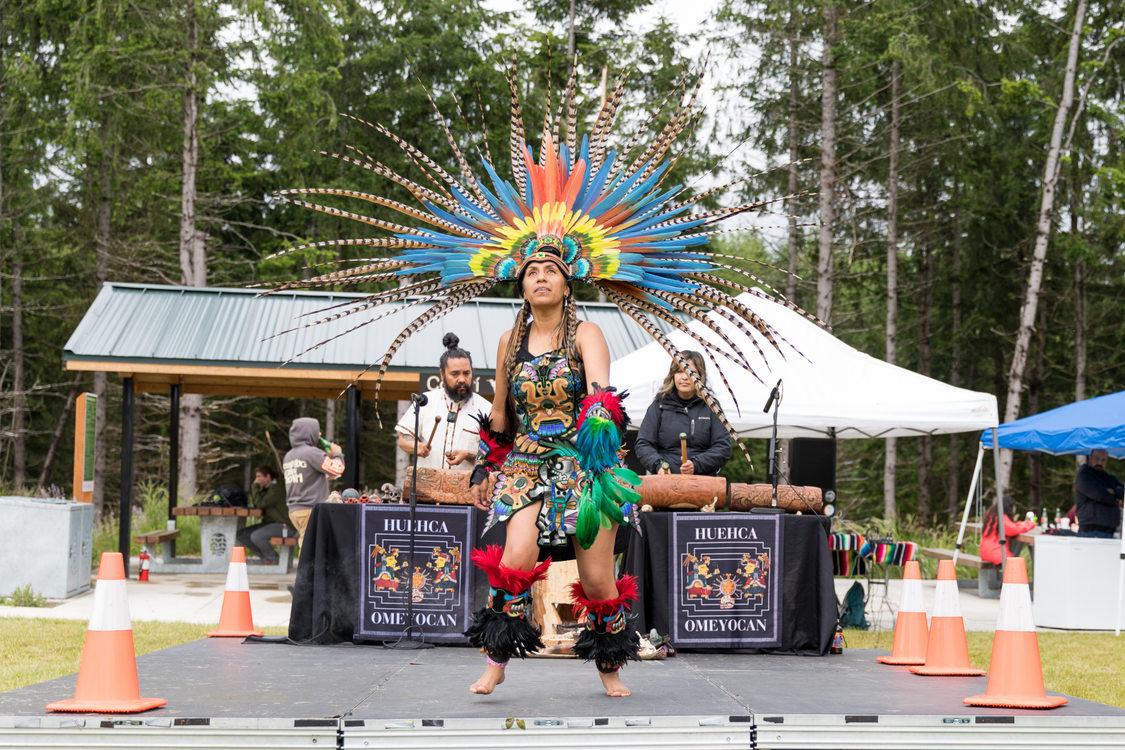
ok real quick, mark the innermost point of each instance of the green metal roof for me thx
(158, 324)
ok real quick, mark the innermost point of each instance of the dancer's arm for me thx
(498, 416)
(595, 354)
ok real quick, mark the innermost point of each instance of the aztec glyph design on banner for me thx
(725, 591)
(442, 581)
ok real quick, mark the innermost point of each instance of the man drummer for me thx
(448, 436)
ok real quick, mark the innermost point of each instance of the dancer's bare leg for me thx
(595, 571)
(521, 551)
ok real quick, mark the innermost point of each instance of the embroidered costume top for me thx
(542, 466)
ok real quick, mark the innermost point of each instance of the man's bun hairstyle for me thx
(452, 351)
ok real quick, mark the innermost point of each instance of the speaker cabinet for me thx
(812, 463)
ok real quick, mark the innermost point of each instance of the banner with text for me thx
(442, 573)
(726, 589)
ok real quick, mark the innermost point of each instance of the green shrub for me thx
(151, 515)
(24, 596)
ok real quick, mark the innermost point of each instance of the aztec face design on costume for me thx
(546, 391)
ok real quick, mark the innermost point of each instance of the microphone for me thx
(421, 399)
(774, 395)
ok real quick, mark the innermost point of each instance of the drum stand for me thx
(408, 640)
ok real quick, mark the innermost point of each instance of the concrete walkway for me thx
(181, 597)
(198, 598)
(979, 614)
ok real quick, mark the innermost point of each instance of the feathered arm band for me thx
(610, 490)
(493, 448)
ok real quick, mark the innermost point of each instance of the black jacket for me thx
(708, 443)
(1096, 494)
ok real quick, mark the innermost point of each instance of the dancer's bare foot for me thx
(488, 681)
(613, 685)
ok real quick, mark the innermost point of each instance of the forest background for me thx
(917, 142)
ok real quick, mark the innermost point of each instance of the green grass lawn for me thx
(1085, 665)
(34, 650)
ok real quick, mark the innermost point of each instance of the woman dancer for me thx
(547, 364)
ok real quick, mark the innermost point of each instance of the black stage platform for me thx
(227, 693)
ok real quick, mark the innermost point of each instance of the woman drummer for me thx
(551, 381)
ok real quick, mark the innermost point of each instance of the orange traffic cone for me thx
(1015, 676)
(948, 651)
(235, 619)
(107, 677)
(910, 624)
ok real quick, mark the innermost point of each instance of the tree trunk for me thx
(890, 445)
(193, 257)
(101, 274)
(60, 428)
(1035, 481)
(794, 242)
(825, 263)
(925, 324)
(953, 494)
(19, 394)
(330, 420)
(1042, 236)
(570, 45)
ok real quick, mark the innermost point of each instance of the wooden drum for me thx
(789, 498)
(441, 486)
(683, 491)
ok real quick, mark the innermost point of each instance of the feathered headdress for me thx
(606, 212)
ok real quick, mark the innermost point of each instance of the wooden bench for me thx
(285, 554)
(152, 538)
(972, 561)
(988, 579)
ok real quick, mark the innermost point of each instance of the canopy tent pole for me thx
(1120, 584)
(999, 500)
(969, 501)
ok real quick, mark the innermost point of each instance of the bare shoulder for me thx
(589, 331)
(505, 337)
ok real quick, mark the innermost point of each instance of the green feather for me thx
(586, 529)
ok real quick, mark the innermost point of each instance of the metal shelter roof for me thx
(220, 341)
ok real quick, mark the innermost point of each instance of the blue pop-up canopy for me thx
(1068, 430)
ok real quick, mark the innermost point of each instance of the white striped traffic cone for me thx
(1015, 676)
(947, 652)
(107, 677)
(911, 632)
(235, 619)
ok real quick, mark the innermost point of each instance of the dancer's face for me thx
(544, 284)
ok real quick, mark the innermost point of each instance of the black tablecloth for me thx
(325, 592)
(808, 598)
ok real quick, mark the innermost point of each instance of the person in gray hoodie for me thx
(307, 470)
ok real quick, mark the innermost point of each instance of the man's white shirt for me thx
(457, 430)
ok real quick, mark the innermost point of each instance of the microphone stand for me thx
(406, 640)
(774, 401)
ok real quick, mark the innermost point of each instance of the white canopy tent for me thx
(829, 388)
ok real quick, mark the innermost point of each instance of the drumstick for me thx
(437, 420)
(683, 447)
